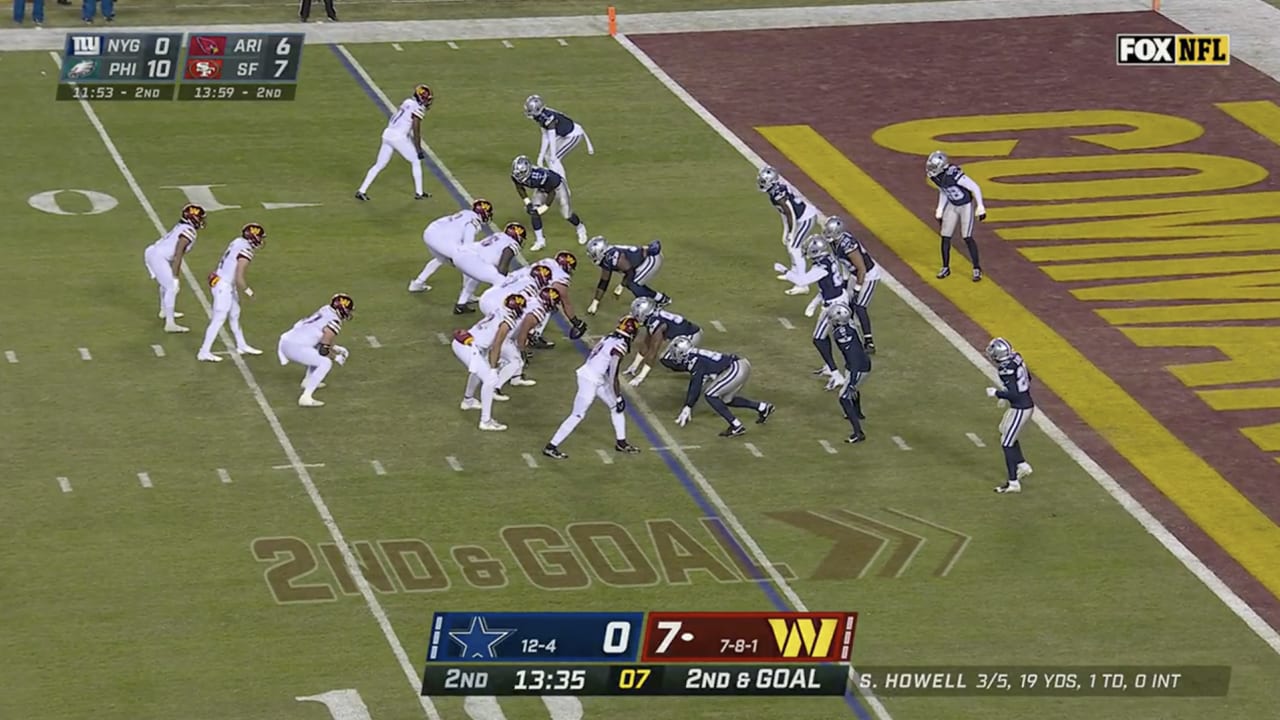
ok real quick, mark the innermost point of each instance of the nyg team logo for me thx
(1170, 49)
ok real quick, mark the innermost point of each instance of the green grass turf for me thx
(153, 597)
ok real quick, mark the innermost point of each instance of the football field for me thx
(183, 541)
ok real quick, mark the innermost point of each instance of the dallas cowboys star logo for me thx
(479, 641)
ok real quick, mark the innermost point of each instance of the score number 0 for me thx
(282, 48)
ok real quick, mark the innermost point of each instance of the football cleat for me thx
(308, 401)
(362, 196)
(1023, 470)
(208, 357)
(1011, 486)
(623, 446)
(469, 404)
(977, 274)
(764, 413)
(422, 196)
(552, 451)
(734, 430)
(500, 397)
(537, 342)
(172, 327)
(417, 287)
(248, 350)
(492, 426)
(797, 290)
(856, 438)
(462, 310)
(944, 272)
(176, 315)
(522, 381)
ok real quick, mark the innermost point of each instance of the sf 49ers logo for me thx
(204, 69)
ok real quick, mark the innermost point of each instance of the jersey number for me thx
(954, 193)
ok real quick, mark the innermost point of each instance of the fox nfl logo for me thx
(1170, 49)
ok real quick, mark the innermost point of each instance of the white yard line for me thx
(85, 354)
(507, 44)
(64, 484)
(827, 446)
(902, 444)
(397, 47)
(11, 356)
(291, 466)
(975, 439)
(444, 339)
(159, 351)
(452, 45)
(529, 460)
(719, 326)
(453, 463)
(224, 476)
(377, 468)
(295, 461)
(605, 457)
(373, 341)
(786, 324)
(561, 42)
(751, 448)
(144, 480)
(1148, 522)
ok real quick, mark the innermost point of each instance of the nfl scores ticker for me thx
(637, 653)
(153, 66)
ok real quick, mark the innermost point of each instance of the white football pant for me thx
(591, 387)
(477, 363)
(400, 143)
(162, 272)
(226, 306)
(318, 366)
(474, 271)
(442, 247)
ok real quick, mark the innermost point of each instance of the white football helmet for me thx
(999, 350)
(681, 348)
(833, 227)
(596, 248)
(937, 162)
(767, 178)
(521, 168)
(840, 314)
(642, 308)
(816, 246)
(533, 105)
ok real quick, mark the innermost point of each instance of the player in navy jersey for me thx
(727, 375)
(560, 134)
(859, 266)
(547, 185)
(1016, 393)
(857, 364)
(662, 328)
(798, 218)
(831, 288)
(638, 265)
(959, 201)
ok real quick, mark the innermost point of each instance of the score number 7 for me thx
(673, 629)
(284, 47)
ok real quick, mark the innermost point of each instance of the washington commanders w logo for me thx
(804, 637)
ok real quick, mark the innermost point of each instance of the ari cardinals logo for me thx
(208, 45)
(204, 69)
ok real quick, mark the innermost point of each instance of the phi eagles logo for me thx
(204, 69)
(82, 69)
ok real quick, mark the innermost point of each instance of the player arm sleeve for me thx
(603, 286)
(968, 183)
(524, 193)
(813, 275)
(695, 388)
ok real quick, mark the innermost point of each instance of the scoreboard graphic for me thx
(191, 66)
(635, 653)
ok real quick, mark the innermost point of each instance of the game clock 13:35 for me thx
(534, 680)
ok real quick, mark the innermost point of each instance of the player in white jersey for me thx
(598, 380)
(562, 267)
(479, 349)
(310, 342)
(445, 235)
(526, 281)
(226, 282)
(487, 261)
(403, 135)
(163, 259)
(518, 347)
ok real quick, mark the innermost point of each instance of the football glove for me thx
(937, 216)
(621, 405)
(527, 202)
(595, 305)
(683, 418)
(991, 392)
(542, 209)
(644, 373)
(654, 247)
(422, 154)
(533, 211)
(578, 328)
(982, 214)
(248, 291)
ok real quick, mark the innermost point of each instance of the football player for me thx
(1016, 394)
(727, 373)
(959, 201)
(831, 287)
(598, 380)
(520, 343)
(857, 364)
(403, 135)
(445, 236)
(547, 185)
(487, 261)
(560, 134)
(865, 272)
(226, 282)
(310, 342)
(561, 267)
(163, 259)
(798, 218)
(479, 349)
(526, 281)
(638, 265)
(661, 330)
